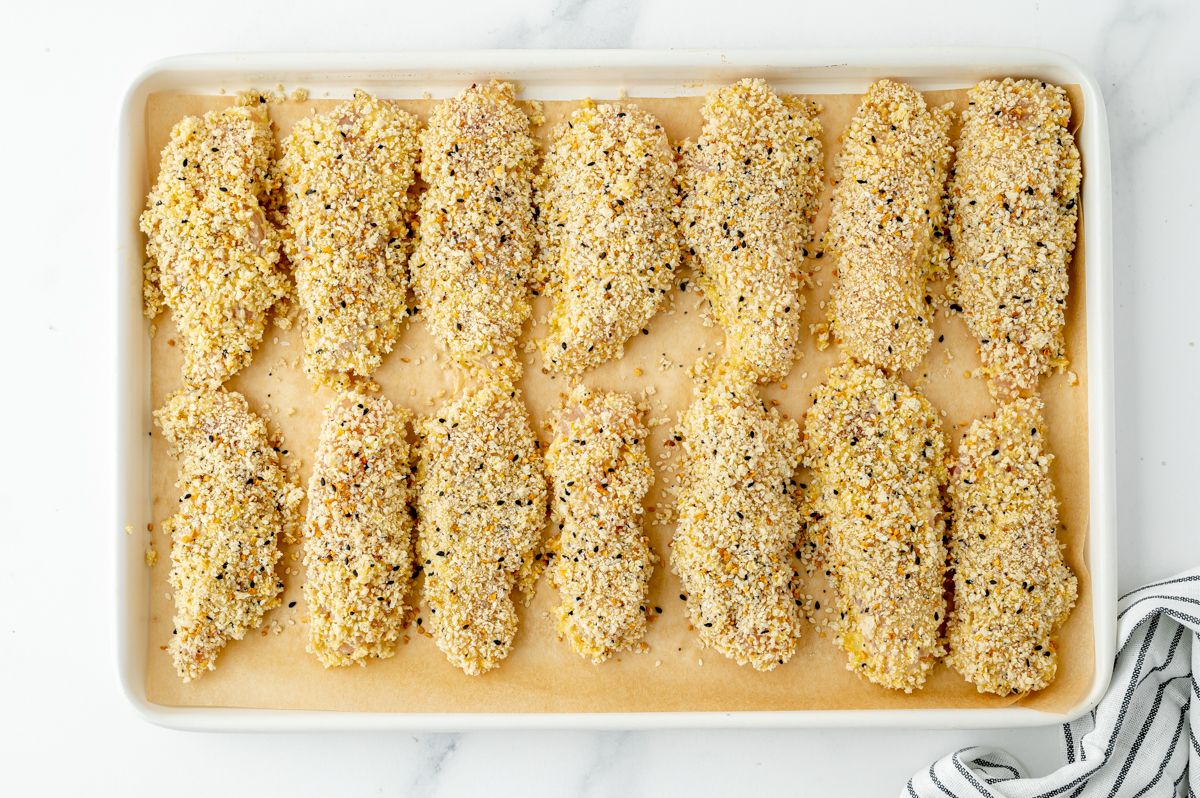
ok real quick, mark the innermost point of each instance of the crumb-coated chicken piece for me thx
(213, 256)
(346, 176)
(886, 227)
(607, 234)
(737, 525)
(358, 549)
(1012, 590)
(473, 263)
(879, 458)
(1015, 197)
(600, 473)
(235, 506)
(481, 506)
(749, 187)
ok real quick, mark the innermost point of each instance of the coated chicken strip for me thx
(750, 189)
(600, 473)
(1012, 590)
(886, 225)
(345, 177)
(474, 256)
(737, 525)
(606, 232)
(1015, 194)
(358, 547)
(236, 505)
(879, 457)
(213, 256)
(481, 506)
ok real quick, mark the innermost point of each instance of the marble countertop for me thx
(67, 66)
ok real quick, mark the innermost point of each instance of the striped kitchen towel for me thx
(1139, 739)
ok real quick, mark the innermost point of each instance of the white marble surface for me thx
(63, 721)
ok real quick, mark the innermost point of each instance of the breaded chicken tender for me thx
(737, 525)
(213, 255)
(474, 256)
(1015, 194)
(358, 551)
(750, 188)
(345, 178)
(600, 472)
(606, 231)
(886, 225)
(1012, 590)
(236, 504)
(481, 506)
(879, 455)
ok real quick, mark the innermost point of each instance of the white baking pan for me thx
(571, 74)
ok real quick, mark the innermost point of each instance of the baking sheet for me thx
(542, 674)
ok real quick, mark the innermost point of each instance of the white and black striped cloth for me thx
(1138, 741)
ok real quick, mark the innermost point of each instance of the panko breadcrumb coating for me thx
(737, 525)
(213, 256)
(474, 255)
(358, 543)
(235, 505)
(481, 506)
(750, 188)
(345, 178)
(886, 229)
(600, 473)
(1012, 590)
(1015, 194)
(879, 458)
(606, 232)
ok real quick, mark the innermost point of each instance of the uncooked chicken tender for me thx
(750, 188)
(345, 177)
(1015, 194)
(606, 229)
(213, 255)
(886, 228)
(358, 544)
(481, 507)
(879, 456)
(737, 524)
(235, 506)
(474, 258)
(1012, 590)
(600, 473)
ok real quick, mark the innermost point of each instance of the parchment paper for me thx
(542, 674)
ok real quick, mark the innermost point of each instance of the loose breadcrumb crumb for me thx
(886, 225)
(600, 473)
(213, 255)
(879, 457)
(358, 546)
(737, 525)
(606, 232)
(1015, 195)
(1012, 590)
(750, 188)
(481, 507)
(472, 264)
(348, 218)
(236, 503)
